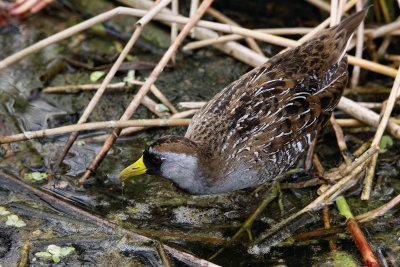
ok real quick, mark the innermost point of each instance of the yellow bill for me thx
(135, 169)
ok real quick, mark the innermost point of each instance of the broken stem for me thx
(362, 244)
(90, 126)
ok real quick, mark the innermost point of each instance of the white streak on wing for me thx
(308, 138)
(299, 146)
(345, 48)
(262, 90)
(243, 149)
(285, 91)
(303, 126)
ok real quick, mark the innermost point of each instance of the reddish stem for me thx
(362, 244)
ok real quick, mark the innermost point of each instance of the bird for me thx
(256, 128)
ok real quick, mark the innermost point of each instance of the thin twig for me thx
(90, 126)
(340, 138)
(233, 37)
(222, 18)
(367, 116)
(146, 101)
(370, 173)
(362, 244)
(174, 26)
(194, 4)
(334, 13)
(71, 89)
(384, 30)
(132, 130)
(346, 123)
(384, 46)
(392, 57)
(381, 128)
(191, 104)
(327, 225)
(382, 210)
(157, 93)
(340, 10)
(385, 11)
(166, 262)
(145, 88)
(359, 48)
(371, 105)
(270, 195)
(348, 168)
(25, 250)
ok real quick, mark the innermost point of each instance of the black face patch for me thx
(152, 162)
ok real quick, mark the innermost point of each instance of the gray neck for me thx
(182, 169)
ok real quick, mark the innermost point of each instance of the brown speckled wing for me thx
(266, 119)
(269, 116)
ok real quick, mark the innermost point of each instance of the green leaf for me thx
(80, 143)
(55, 258)
(38, 176)
(54, 249)
(43, 254)
(386, 142)
(20, 223)
(3, 211)
(96, 75)
(14, 220)
(66, 251)
(343, 207)
(161, 108)
(11, 220)
(35, 176)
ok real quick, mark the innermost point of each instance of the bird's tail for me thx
(350, 24)
(345, 30)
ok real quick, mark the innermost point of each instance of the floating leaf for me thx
(3, 211)
(54, 249)
(43, 254)
(35, 176)
(11, 220)
(14, 220)
(66, 251)
(99, 29)
(80, 143)
(162, 108)
(96, 75)
(55, 258)
(55, 252)
(386, 142)
(20, 224)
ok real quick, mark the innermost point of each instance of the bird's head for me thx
(172, 157)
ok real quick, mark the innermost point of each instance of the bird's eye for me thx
(157, 160)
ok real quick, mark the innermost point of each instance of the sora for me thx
(256, 128)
